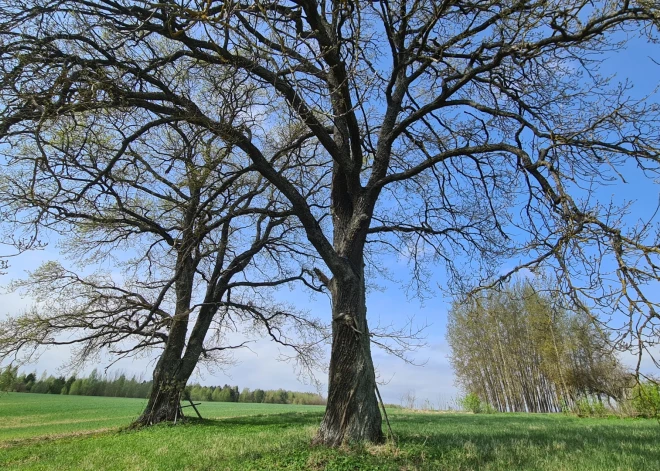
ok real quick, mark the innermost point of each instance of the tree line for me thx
(519, 350)
(228, 393)
(116, 385)
(119, 385)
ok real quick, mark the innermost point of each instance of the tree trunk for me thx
(169, 379)
(173, 368)
(173, 371)
(165, 399)
(352, 413)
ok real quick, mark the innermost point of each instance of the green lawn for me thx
(25, 416)
(56, 432)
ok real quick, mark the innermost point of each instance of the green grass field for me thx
(43, 432)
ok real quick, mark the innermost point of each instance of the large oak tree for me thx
(467, 132)
(189, 240)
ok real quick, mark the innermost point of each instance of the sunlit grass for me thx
(38, 415)
(236, 437)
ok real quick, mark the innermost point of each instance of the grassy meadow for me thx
(44, 432)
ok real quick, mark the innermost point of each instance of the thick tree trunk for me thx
(169, 379)
(164, 400)
(352, 413)
(174, 369)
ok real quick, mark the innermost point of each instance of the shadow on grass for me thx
(286, 419)
(527, 438)
(501, 441)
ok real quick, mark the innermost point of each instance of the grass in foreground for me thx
(236, 439)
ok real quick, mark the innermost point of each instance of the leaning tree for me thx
(192, 239)
(473, 133)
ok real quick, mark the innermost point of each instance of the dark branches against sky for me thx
(196, 241)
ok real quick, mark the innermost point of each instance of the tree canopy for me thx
(190, 231)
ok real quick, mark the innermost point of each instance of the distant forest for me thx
(119, 385)
(519, 351)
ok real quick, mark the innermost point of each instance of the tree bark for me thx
(169, 379)
(170, 376)
(352, 413)
(164, 400)
(174, 369)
